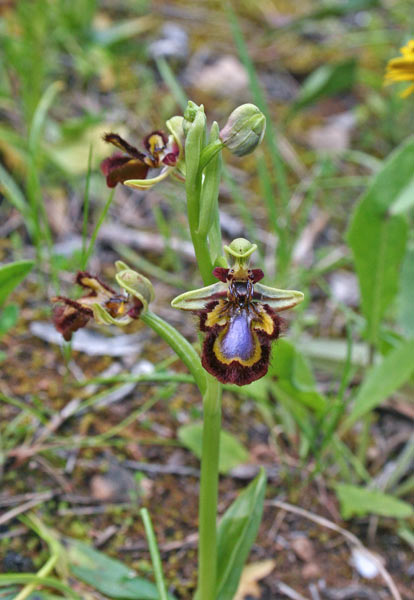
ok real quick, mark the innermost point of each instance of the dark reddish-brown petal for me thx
(235, 372)
(82, 278)
(116, 140)
(149, 146)
(221, 273)
(136, 309)
(119, 171)
(257, 275)
(170, 159)
(113, 162)
(70, 317)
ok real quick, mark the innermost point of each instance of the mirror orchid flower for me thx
(239, 316)
(141, 170)
(102, 302)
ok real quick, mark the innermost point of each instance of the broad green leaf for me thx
(236, 533)
(361, 501)
(329, 353)
(407, 535)
(107, 575)
(405, 199)
(8, 318)
(294, 375)
(11, 275)
(406, 294)
(232, 453)
(382, 380)
(378, 238)
(327, 80)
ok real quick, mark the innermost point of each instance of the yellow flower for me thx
(402, 68)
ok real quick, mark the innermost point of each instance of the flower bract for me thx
(144, 169)
(103, 303)
(402, 69)
(239, 317)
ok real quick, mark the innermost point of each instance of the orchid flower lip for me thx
(240, 320)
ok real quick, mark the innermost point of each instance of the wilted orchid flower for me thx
(102, 302)
(144, 169)
(239, 316)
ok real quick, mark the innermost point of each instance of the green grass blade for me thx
(171, 81)
(97, 228)
(155, 554)
(259, 99)
(86, 209)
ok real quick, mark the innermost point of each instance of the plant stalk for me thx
(207, 558)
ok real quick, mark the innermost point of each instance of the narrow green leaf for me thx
(10, 594)
(40, 114)
(327, 80)
(294, 375)
(11, 275)
(382, 380)
(232, 453)
(407, 535)
(406, 294)
(25, 578)
(361, 501)
(14, 195)
(236, 533)
(8, 318)
(378, 239)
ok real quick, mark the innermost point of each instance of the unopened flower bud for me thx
(190, 114)
(244, 129)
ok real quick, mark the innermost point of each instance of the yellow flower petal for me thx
(407, 92)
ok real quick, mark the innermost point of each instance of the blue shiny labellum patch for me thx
(237, 341)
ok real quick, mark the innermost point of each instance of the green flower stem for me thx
(203, 218)
(210, 151)
(179, 344)
(207, 570)
(202, 252)
(211, 390)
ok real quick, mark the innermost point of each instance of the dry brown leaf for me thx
(253, 573)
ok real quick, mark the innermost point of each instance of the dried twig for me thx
(289, 592)
(18, 510)
(351, 538)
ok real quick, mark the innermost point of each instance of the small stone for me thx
(303, 548)
(311, 571)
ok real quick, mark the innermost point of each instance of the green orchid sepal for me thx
(196, 300)
(134, 283)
